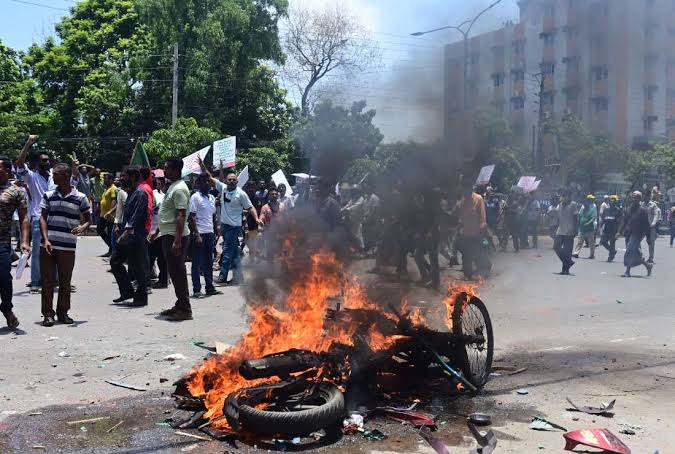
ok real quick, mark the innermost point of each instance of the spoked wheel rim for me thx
(472, 319)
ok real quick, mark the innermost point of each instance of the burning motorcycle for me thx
(310, 387)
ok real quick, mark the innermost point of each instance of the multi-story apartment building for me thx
(608, 62)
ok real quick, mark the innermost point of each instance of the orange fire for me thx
(299, 324)
(455, 290)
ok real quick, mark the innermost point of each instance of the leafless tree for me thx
(320, 42)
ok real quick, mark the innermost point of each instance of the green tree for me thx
(19, 109)
(262, 162)
(334, 136)
(89, 76)
(222, 82)
(186, 138)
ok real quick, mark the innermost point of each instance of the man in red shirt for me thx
(146, 186)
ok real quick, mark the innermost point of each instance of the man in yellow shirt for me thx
(104, 227)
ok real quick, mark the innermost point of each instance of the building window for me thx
(650, 60)
(600, 8)
(571, 32)
(600, 72)
(650, 92)
(547, 68)
(518, 74)
(518, 47)
(572, 95)
(599, 40)
(547, 98)
(650, 121)
(498, 51)
(650, 3)
(518, 103)
(474, 58)
(498, 79)
(600, 104)
(573, 63)
(548, 38)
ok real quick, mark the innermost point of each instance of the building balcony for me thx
(572, 108)
(572, 79)
(649, 109)
(519, 31)
(572, 17)
(548, 54)
(549, 82)
(518, 88)
(517, 118)
(573, 47)
(548, 24)
(600, 88)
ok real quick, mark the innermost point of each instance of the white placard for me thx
(21, 265)
(191, 163)
(485, 175)
(242, 178)
(279, 178)
(225, 150)
(528, 184)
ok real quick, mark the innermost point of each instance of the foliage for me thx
(584, 157)
(496, 144)
(222, 82)
(186, 138)
(334, 136)
(262, 162)
(660, 159)
(87, 76)
(19, 112)
(384, 161)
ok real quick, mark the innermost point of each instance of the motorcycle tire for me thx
(243, 417)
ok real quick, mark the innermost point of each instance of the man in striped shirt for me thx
(66, 214)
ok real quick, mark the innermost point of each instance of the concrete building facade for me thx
(608, 62)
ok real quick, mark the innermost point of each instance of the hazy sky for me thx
(405, 89)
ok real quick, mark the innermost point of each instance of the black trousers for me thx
(176, 267)
(135, 253)
(104, 229)
(563, 246)
(608, 241)
(156, 253)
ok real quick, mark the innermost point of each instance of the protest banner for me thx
(191, 163)
(528, 184)
(225, 151)
(242, 178)
(279, 178)
(485, 175)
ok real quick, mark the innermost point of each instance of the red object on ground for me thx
(595, 438)
(414, 418)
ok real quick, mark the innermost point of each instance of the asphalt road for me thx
(592, 336)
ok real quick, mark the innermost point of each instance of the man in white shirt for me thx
(155, 248)
(233, 202)
(653, 214)
(38, 181)
(203, 227)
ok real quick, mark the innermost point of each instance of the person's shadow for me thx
(4, 331)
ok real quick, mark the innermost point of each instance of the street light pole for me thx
(465, 36)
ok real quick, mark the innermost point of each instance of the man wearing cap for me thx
(611, 214)
(588, 218)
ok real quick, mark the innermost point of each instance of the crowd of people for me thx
(154, 221)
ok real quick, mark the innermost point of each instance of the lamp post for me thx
(464, 28)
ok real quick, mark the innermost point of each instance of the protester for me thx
(636, 226)
(37, 182)
(671, 223)
(233, 203)
(261, 192)
(104, 226)
(533, 216)
(118, 212)
(155, 252)
(512, 221)
(97, 189)
(131, 244)
(252, 238)
(354, 212)
(653, 213)
(610, 219)
(568, 213)
(203, 226)
(588, 218)
(473, 224)
(286, 200)
(12, 199)
(270, 211)
(66, 214)
(175, 234)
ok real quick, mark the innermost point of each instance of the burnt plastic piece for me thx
(279, 364)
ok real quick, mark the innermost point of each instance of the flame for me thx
(301, 324)
(458, 289)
